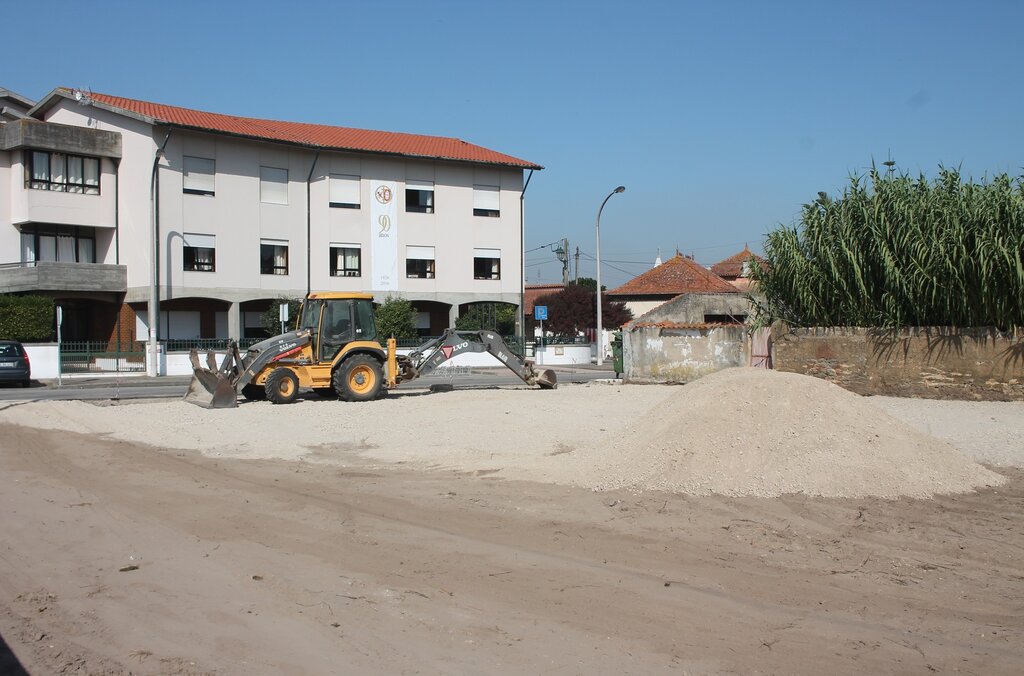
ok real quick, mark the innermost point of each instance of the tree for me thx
(896, 251)
(574, 308)
(396, 318)
(270, 320)
(499, 317)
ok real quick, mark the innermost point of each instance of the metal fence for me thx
(100, 357)
(97, 357)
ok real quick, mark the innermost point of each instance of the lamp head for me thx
(621, 188)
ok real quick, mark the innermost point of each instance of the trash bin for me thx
(617, 352)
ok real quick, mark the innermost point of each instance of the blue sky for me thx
(720, 118)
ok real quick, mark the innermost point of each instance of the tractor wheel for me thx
(282, 386)
(359, 378)
(325, 392)
(253, 392)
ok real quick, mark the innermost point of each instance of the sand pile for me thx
(764, 433)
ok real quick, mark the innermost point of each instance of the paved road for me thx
(143, 387)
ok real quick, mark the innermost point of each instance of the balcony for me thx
(55, 276)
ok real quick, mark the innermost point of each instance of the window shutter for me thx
(199, 174)
(486, 197)
(420, 253)
(273, 185)
(198, 241)
(344, 189)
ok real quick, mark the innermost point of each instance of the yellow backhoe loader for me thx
(335, 351)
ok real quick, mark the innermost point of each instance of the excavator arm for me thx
(432, 354)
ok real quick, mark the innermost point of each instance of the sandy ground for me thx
(425, 534)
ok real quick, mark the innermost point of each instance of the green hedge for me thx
(26, 318)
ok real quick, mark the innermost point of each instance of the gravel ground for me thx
(989, 432)
(738, 432)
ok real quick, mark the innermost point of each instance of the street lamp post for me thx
(600, 342)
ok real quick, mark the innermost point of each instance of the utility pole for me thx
(576, 278)
(562, 252)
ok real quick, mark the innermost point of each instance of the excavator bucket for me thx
(209, 388)
(547, 380)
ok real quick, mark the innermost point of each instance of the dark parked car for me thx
(14, 366)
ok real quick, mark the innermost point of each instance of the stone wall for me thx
(680, 354)
(934, 363)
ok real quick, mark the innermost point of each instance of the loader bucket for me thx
(211, 390)
(547, 380)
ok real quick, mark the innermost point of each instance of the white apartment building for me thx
(245, 212)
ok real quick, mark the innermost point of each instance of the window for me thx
(344, 191)
(419, 262)
(199, 253)
(64, 244)
(345, 260)
(419, 197)
(62, 172)
(486, 201)
(197, 177)
(422, 324)
(273, 185)
(273, 257)
(486, 263)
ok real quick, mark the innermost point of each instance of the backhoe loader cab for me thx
(335, 320)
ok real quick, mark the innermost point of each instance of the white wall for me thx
(10, 240)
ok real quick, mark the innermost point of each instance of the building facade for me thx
(247, 212)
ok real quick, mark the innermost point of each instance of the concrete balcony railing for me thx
(54, 276)
(63, 208)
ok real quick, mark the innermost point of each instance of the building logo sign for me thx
(384, 236)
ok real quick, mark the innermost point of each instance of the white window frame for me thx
(487, 201)
(195, 240)
(493, 255)
(421, 187)
(273, 185)
(342, 271)
(421, 253)
(275, 269)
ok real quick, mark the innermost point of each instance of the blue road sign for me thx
(540, 312)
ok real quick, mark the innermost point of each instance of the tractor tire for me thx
(282, 386)
(325, 392)
(359, 378)
(253, 392)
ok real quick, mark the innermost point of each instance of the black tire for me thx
(282, 386)
(359, 378)
(326, 392)
(253, 392)
(26, 383)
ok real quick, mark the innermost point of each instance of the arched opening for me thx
(489, 315)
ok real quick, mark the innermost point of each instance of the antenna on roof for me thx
(82, 96)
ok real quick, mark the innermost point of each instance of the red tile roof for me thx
(673, 277)
(320, 135)
(732, 267)
(535, 291)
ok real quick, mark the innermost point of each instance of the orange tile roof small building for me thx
(676, 276)
(735, 269)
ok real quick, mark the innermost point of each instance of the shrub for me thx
(26, 318)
